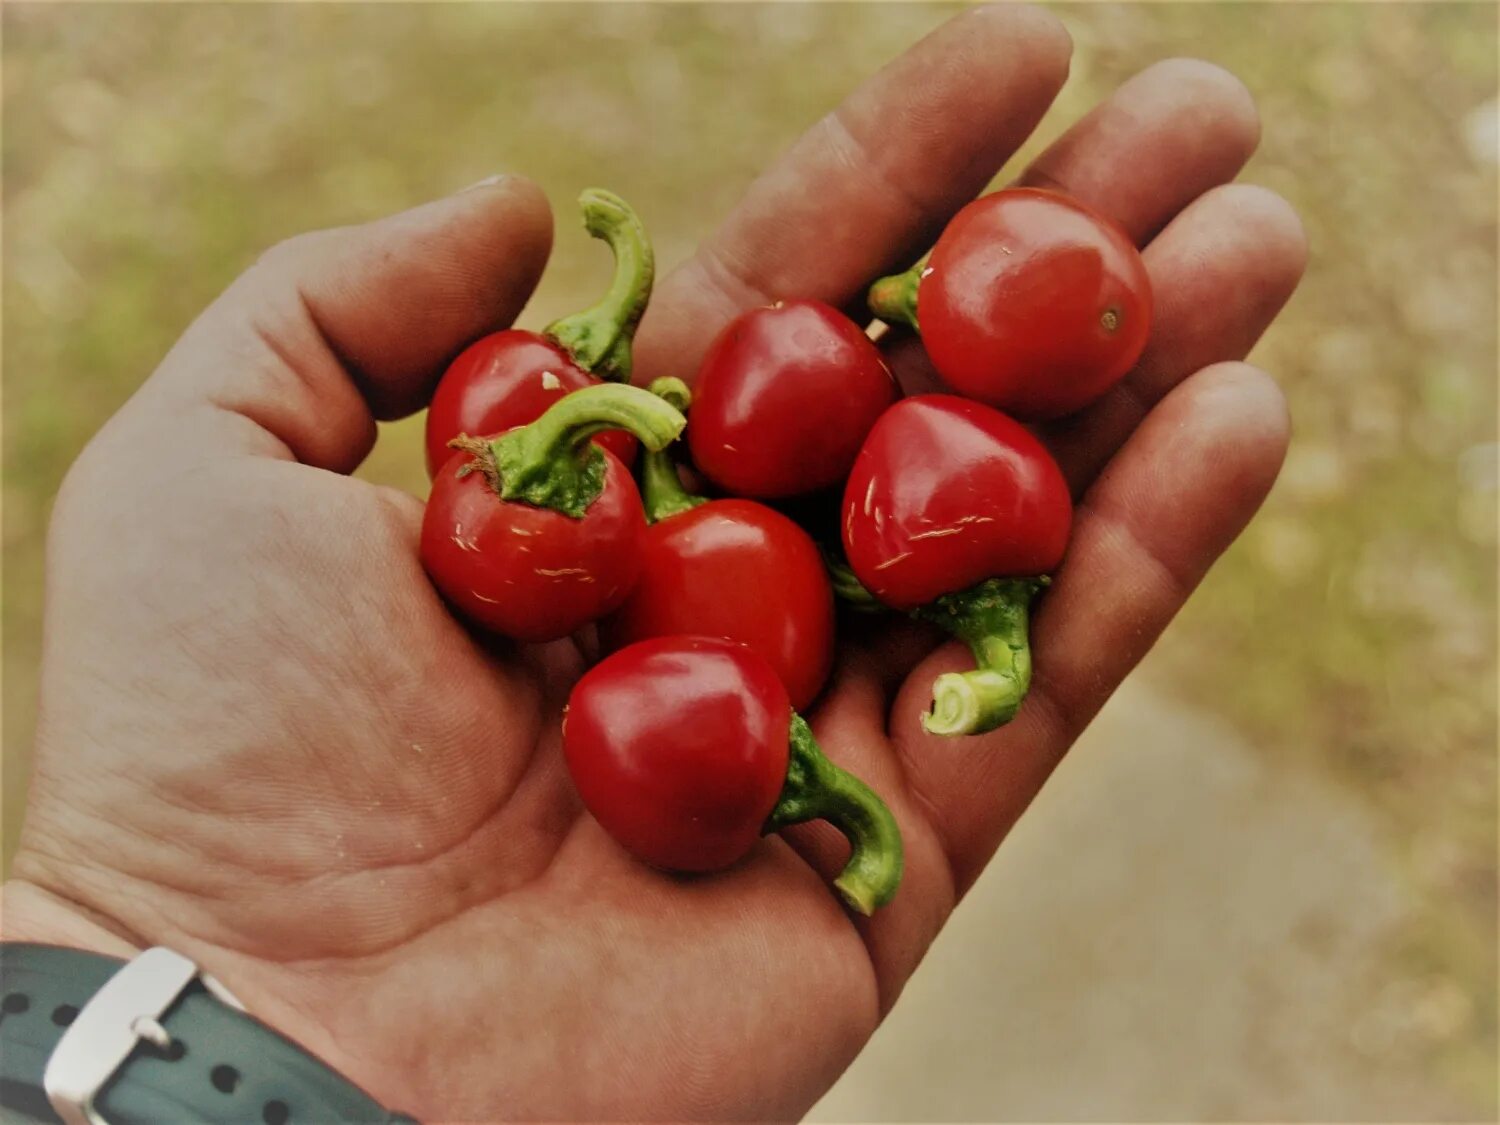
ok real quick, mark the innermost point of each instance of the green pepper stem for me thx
(894, 299)
(993, 620)
(599, 338)
(662, 492)
(816, 789)
(552, 464)
(846, 587)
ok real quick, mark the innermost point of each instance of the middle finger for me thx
(870, 182)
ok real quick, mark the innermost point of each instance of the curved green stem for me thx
(599, 338)
(551, 462)
(816, 789)
(992, 619)
(662, 492)
(894, 299)
(673, 390)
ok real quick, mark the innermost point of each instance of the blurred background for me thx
(1264, 886)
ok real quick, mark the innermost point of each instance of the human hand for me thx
(265, 742)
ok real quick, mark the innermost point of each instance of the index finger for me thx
(870, 184)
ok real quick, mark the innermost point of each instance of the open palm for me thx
(265, 742)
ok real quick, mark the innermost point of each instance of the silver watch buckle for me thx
(127, 1009)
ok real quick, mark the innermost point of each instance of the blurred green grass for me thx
(150, 152)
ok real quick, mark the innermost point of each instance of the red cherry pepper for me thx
(537, 532)
(508, 378)
(957, 513)
(783, 399)
(727, 568)
(1029, 302)
(686, 750)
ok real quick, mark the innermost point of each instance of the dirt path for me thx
(1173, 932)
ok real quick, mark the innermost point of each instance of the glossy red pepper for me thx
(727, 568)
(1030, 302)
(502, 381)
(686, 750)
(783, 399)
(509, 378)
(957, 512)
(537, 532)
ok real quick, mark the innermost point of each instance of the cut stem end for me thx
(972, 702)
(993, 619)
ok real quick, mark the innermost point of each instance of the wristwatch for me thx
(92, 1040)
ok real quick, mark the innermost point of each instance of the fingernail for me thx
(488, 181)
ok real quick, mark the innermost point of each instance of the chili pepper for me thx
(686, 750)
(508, 378)
(956, 513)
(537, 532)
(1030, 302)
(727, 568)
(784, 397)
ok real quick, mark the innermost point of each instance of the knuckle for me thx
(291, 256)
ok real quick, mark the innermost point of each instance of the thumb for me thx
(331, 330)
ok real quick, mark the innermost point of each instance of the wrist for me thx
(295, 1000)
(88, 1037)
(29, 912)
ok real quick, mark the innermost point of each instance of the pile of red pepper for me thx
(718, 611)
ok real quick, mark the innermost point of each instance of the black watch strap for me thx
(191, 1056)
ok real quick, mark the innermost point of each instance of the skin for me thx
(782, 605)
(265, 742)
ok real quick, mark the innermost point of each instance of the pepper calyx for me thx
(551, 463)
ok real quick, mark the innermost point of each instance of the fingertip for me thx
(1035, 43)
(1237, 406)
(508, 225)
(525, 211)
(1043, 35)
(1275, 224)
(1265, 405)
(1216, 92)
(1247, 226)
(418, 286)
